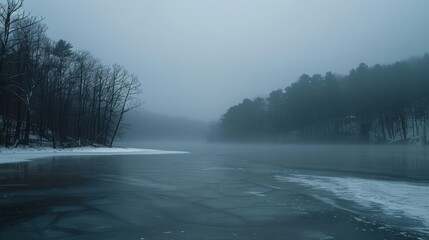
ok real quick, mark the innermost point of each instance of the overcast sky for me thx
(196, 58)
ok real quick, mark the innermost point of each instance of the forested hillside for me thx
(382, 103)
(50, 92)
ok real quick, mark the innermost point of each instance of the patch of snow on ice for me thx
(394, 198)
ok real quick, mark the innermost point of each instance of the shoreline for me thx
(14, 155)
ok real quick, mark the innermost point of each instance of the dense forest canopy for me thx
(50, 92)
(383, 103)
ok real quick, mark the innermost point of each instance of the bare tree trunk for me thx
(403, 121)
(27, 128)
(120, 118)
(18, 123)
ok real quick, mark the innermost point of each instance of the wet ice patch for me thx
(397, 199)
(223, 169)
(316, 235)
(255, 193)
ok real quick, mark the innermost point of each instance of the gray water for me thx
(221, 191)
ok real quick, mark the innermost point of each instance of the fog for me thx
(197, 58)
(147, 126)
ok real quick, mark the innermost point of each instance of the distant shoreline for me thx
(13, 155)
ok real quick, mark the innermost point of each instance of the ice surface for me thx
(256, 193)
(398, 199)
(9, 155)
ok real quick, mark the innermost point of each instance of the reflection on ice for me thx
(397, 199)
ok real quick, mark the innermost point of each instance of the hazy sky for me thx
(196, 58)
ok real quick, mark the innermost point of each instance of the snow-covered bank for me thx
(9, 155)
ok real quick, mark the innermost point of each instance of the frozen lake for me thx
(221, 191)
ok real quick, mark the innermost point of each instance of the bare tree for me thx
(132, 88)
(63, 96)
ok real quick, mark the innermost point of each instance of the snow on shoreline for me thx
(11, 155)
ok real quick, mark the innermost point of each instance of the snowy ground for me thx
(9, 155)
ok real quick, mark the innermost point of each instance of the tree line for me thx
(50, 92)
(383, 103)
